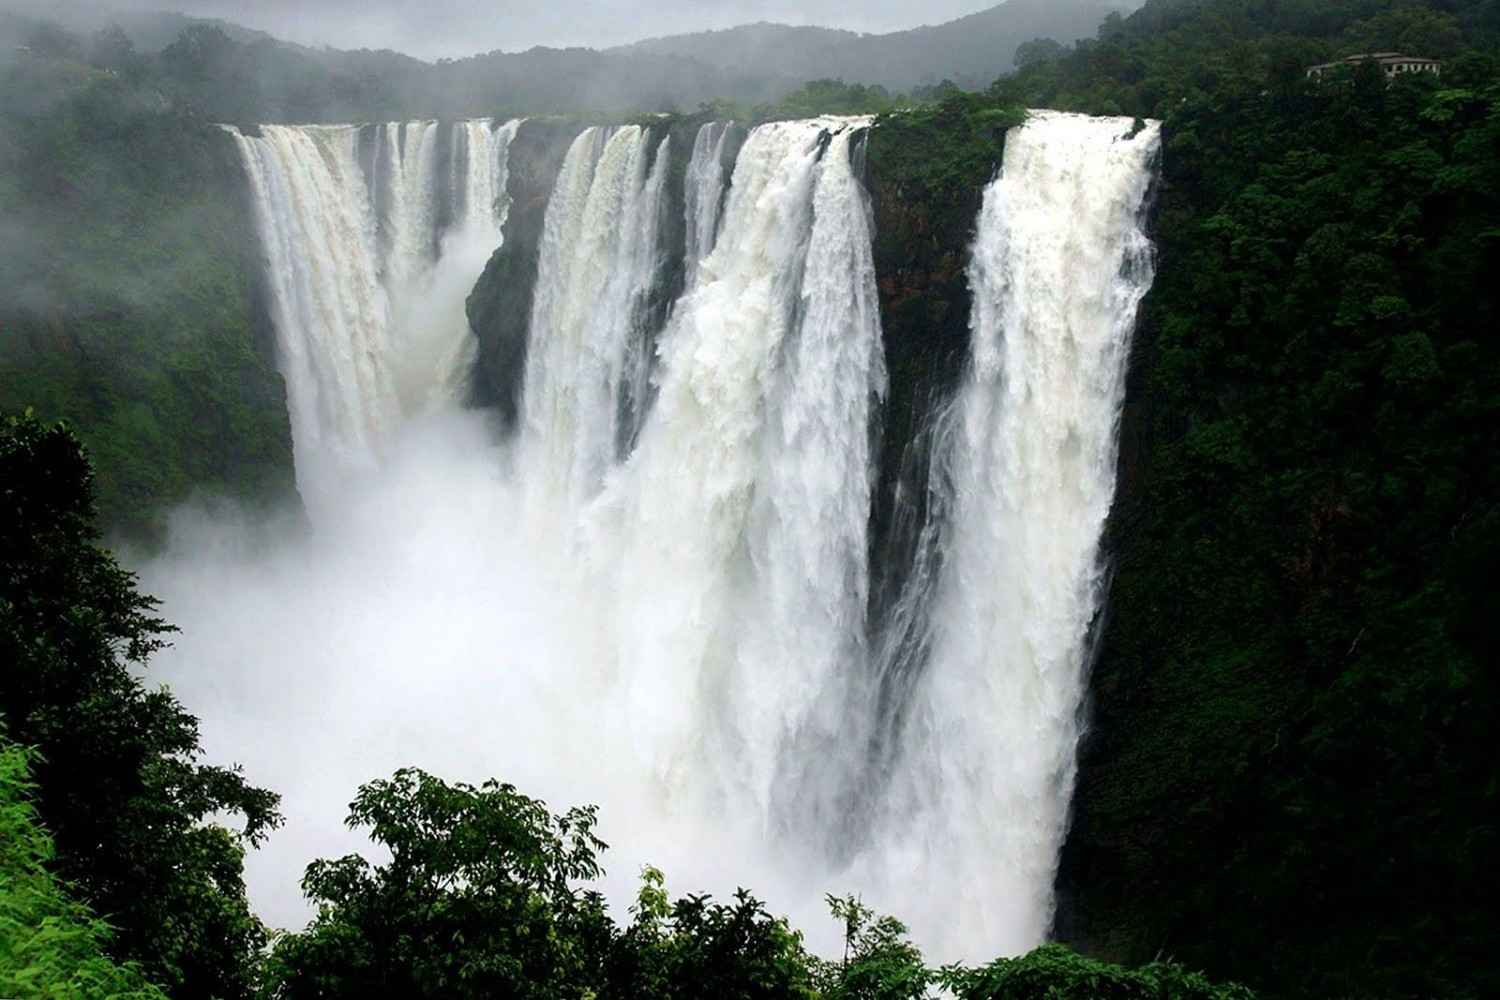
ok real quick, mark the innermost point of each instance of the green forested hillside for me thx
(128, 266)
(1290, 778)
(971, 50)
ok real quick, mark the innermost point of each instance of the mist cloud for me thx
(415, 625)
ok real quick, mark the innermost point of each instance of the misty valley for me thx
(995, 509)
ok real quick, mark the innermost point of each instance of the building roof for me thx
(1384, 58)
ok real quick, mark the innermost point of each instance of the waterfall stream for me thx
(1026, 469)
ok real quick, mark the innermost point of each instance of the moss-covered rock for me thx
(926, 171)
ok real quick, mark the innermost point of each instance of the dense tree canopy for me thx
(118, 783)
(483, 895)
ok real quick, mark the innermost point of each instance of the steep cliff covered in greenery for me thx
(1289, 777)
(130, 267)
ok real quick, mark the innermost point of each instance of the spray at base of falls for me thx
(656, 600)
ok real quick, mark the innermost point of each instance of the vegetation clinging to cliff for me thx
(128, 265)
(1289, 778)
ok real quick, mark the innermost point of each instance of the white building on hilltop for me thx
(1392, 64)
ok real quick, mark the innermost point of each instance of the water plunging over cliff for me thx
(703, 193)
(654, 595)
(367, 274)
(586, 375)
(1027, 474)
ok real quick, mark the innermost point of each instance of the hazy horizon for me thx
(456, 28)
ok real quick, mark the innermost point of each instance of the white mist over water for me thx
(668, 618)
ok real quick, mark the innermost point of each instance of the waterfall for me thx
(409, 226)
(737, 528)
(655, 595)
(366, 289)
(703, 193)
(482, 202)
(328, 305)
(1060, 265)
(587, 372)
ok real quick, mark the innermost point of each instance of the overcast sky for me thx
(432, 28)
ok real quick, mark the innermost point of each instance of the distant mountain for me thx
(229, 73)
(148, 30)
(970, 51)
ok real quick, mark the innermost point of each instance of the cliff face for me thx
(926, 174)
(499, 308)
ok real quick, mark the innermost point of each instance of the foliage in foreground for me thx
(482, 897)
(1056, 973)
(118, 783)
(50, 945)
(484, 890)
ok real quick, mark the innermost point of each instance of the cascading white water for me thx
(410, 223)
(723, 523)
(799, 687)
(586, 374)
(329, 307)
(366, 300)
(482, 201)
(433, 312)
(662, 608)
(703, 194)
(1060, 265)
